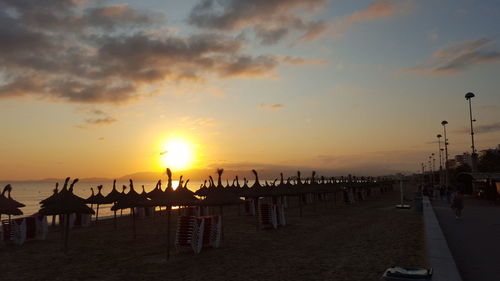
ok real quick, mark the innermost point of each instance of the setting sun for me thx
(176, 154)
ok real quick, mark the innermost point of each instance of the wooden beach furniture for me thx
(250, 206)
(196, 211)
(76, 220)
(142, 212)
(14, 230)
(36, 227)
(267, 216)
(189, 233)
(212, 231)
(280, 214)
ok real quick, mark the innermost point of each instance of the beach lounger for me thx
(280, 209)
(36, 227)
(78, 220)
(212, 231)
(14, 231)
(250, 206)
(194, 211)
(267, 216)
(18, 231)
(189, 233)
(142, 212)
(402, 273)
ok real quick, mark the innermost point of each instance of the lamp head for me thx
(469, 95)
(444, 122)
(439, 136)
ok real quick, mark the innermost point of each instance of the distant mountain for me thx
(143, 176)
(266, 172)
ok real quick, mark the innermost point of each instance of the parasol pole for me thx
(300, 205)
(66, 234)
(222, 224)
(97, 214)
(168, 209)
(133, 223)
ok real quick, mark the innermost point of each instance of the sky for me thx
(96, 88)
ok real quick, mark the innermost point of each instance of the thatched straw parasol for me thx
(169, 198)
(218, 195)
(65, 203)
(16, 203)
(131, 200)
(7, 206)
(182, 196)
(112, 197)
(56, 193)
(203, 190)
(124, 187)
(97, 199)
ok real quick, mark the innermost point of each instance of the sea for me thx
(31, 193)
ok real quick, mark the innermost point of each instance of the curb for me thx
(438, 253)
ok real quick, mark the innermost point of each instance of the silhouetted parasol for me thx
(56, 193)
(8, 207)
(182, 196)
(112, 197)
(16, 203)
(219, 196)
(131, 200)
(165, 198)
(143, 194)
(156, 191)
(97, 199)
(65, 203)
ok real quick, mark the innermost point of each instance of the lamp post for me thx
(433, 166)
(446, 175)
(440, 160)
(432, 171)
(469, 97)
(423, 176)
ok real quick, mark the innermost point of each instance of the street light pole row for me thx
(468, 97)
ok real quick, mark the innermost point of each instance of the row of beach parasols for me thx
(65, 202)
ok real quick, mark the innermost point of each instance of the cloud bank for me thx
(264, 106)
(458, 58)
(271, 21)
(84, 52)
(482, 129)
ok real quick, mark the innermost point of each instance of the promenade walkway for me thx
(474, 240)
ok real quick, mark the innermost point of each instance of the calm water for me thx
(31, 193)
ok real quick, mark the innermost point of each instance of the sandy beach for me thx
(330, 242)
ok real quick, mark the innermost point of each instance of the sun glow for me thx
(176, 154)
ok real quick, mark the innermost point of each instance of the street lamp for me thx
(469, 97)
(446, 176)
(440, 160)
(433, 166)
(423, 175)
(432, 171)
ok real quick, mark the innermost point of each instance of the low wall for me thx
(438, 253)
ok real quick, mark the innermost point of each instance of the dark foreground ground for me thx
(474, 239)
(355, 242)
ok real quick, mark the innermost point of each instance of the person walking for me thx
(458, 204)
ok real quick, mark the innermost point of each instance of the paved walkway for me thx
(474, 240)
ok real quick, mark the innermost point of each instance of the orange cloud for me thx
(457, 58)
(264, 106)
(379, 9)
(270, 20)
(62, 50)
